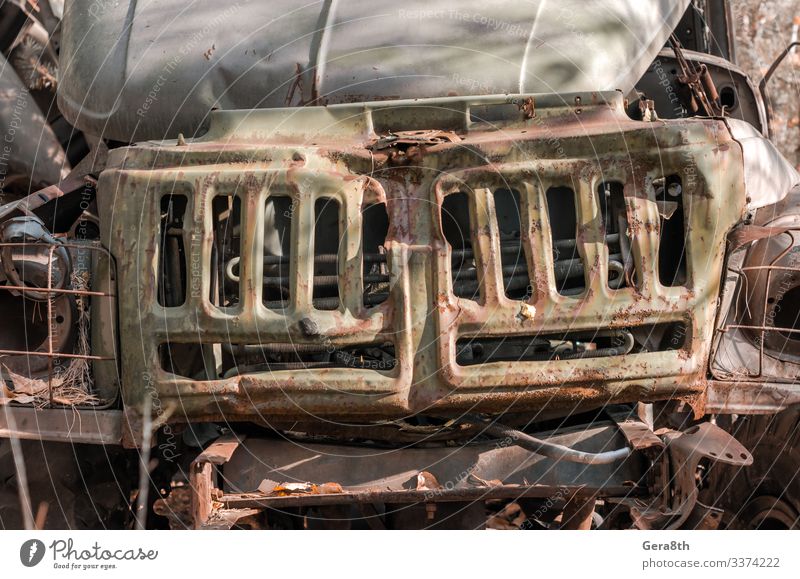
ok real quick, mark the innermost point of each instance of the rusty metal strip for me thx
(742, 397)
(67, 425)
(25, 288)
(637, 433)
(253, 500)
(54, 355)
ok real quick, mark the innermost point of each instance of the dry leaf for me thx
(330, 488)
(427, 482)
(285, 489)
(267, 486)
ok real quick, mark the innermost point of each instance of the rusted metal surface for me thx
(638, 434)
(221, 451)
(63, 425)
(414, 138)
(256, 156)
(256, 500)
(729, 78)
(704, 518)
(686, 450)
(750, 397)
(698, 79)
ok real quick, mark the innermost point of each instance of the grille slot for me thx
(456, 227)
(278, 214)
(516, 280)
(621, 271)
(375, 272)
(226, 220)
(327, 240)
(672, 231)
(172, 252)
(563, 221)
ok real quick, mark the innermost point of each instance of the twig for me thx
(144, 464)
(19, 464)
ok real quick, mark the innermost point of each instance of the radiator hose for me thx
(548, 449)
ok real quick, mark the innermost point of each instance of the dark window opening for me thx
(516, 280)
(594, 343)
(567, 262)
(375, 271)
(727, 97)
(211, 361)
(171, 252)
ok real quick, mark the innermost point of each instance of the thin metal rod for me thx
(763, 328)
(769, 267)
(27, 288)
(50, 325)
(54, 355)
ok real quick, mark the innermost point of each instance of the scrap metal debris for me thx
(405, 139)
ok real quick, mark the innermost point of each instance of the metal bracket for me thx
(685, 450)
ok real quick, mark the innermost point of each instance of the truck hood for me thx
(136, 70)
